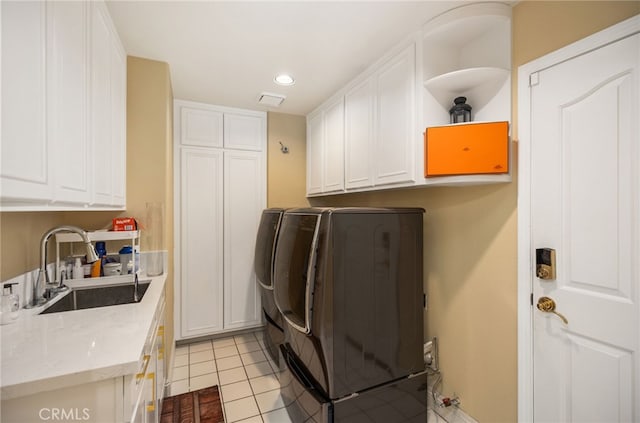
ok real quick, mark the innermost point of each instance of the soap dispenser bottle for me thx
(10, 304)
(78, 270)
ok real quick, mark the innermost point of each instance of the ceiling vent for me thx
(271, 100)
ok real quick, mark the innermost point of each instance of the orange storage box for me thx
(466, 149)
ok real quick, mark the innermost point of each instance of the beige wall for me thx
(286, 173)
(470, 281)
(150, 157)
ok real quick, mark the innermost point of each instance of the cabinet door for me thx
(161, 363)
(25, 170)
(67, 99)
(244, 131)
(101, 137)
(314, 153)
(201, 235)
(359, 105)
(394, 152)
(108, 107)
(244, 199)
(199, 126)
(149, 390)
(118, 121)
(333, 147)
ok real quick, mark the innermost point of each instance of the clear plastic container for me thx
(126, 256)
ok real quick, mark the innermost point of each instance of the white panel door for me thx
(395, 129)
(101, 123)
(67, 71)
(201, 245)
(199, 126)
(243, 203)
(244, 131)
(333, 147)
(359, 105)
(585, 204)
(25, 169)
(314, 153)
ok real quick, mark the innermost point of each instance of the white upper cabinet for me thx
(63, 107)
(102, 163)
(108, 85)
(67, 88)
(119, 121)
(244, 131)
(205, 125)
(394, 150)
(314, 153)
(200, 126)
(465, 52)
(365, 135)
(359, 108)
(25, 171)
(333, 145)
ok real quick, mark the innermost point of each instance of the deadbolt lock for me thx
(546, 263)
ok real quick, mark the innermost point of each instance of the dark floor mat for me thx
(201, 406)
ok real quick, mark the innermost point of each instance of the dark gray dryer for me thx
(350, 288)
(266, 241)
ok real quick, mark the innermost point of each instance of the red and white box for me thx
(124, 224)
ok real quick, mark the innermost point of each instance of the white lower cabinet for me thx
(143, 391)
(220, 194)
(135, 398)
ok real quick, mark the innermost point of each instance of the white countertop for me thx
(50, 351)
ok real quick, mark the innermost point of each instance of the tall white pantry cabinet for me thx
(220, 192)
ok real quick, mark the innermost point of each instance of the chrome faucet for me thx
(43, 275)
(136, 295)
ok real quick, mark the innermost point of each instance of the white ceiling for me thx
(227, 52)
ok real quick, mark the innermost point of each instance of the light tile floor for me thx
(249, 387)
(239, 364)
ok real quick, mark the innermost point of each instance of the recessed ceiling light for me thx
(284, 79)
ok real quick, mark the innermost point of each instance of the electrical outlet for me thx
(431, 354)
(434, 354)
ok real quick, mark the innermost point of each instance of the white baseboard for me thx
(451, 414)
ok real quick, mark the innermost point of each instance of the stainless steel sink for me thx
(103, 296)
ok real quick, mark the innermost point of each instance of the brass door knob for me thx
(547, 305)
